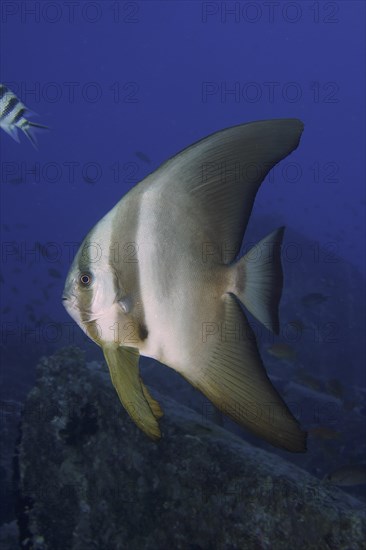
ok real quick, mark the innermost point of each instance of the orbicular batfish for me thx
(158, 276)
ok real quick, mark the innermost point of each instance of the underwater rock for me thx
(10, 411)
(317, 411)
(9, 536)
(89, 478)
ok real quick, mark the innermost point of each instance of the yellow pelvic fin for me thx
(134, 396)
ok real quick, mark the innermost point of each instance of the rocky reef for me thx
(88, 478)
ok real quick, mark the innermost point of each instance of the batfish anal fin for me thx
(259, 280)
(234, 379)
(124, 370)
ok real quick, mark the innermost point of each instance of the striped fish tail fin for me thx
(28, 128)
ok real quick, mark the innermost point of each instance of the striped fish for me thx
(12, 117)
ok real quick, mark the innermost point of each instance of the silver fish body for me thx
(158, 276)
(12, 117)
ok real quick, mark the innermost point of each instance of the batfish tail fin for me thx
(258, 280)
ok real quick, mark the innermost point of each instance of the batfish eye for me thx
(85, 279)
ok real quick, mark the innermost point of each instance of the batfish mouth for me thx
(68, 301)
(70, 305)
(85, 315)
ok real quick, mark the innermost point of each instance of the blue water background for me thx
(153, 77)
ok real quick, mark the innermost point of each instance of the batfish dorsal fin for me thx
(222, 174)
(135, 397)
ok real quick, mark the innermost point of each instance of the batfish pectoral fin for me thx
(233, 377)
(135, 397)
